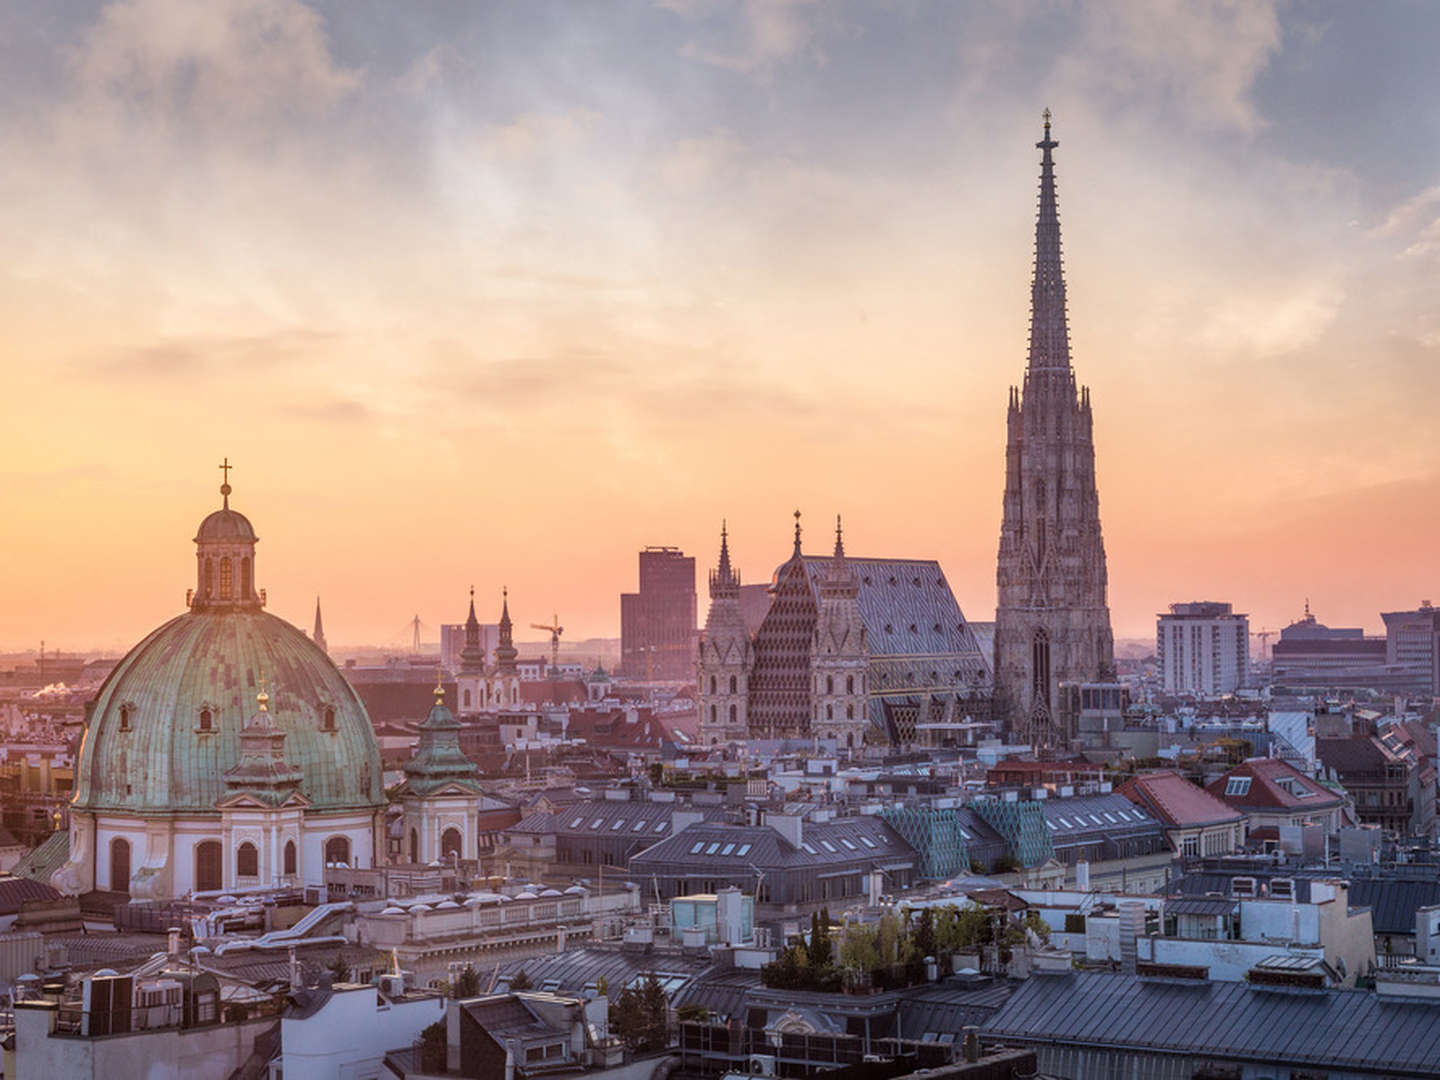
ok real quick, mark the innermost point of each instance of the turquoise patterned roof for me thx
(165, 762)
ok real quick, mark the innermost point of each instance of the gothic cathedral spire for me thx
(1052, 619)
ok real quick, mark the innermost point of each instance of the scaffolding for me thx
(1022, 825)
(935, 835)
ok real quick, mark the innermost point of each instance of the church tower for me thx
(470, 680)
(782, 681)
(1052, 622)
(725, 657)
(841, 654)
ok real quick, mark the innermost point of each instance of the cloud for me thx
(767, 33)
(222, 62)
(201, 357)
(1203, 55)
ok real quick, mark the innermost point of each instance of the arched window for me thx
(247, 860)
(207, 720)
(327, 718)
(289, 858)
(712, 714)
(829, 684)
(337, 850)
(733, 684)
(732, 714)
(414, 846)
(850, 712)
(849, 684)
(209, 577)
(208, 866)
(467, 700)
(1040, 667)
(829, 711)
(245, 578)
(450, 842)
(120, 865)
(226, 583)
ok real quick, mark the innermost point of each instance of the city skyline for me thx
(448, 319)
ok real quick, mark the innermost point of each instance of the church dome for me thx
(226, 526)
(166, 724)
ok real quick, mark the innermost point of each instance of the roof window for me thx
(714, 847)
(1237, 785)
(696, 849)
(848, 845)
(806, 845)
(638, 825)
(727, 849)
(829, 847)
(577, 822)
(660, 826)
(596, 823)
(867, 841)
(617, 824)
(742, 851)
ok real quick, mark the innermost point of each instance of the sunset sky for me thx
(499, 293)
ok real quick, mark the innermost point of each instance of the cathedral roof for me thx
(226, 526)
(907, 605)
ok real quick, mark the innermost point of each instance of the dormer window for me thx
(327, 718)
(207, 720)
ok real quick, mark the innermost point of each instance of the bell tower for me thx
(225, 559)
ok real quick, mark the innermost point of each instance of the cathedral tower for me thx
(725, 656)
(1052, 622)
(841, 654)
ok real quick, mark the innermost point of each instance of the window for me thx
(247, 860)
(849, 684)
(829, 847)
(450, 843)
(126, 711)
(848, 845)
(327, 719)
(713, 716)
(576, 823)
(337, 850)
(207, 720)
(714, 686)
(467, 700)
(714, 847)
(638, 825)
(1040, 667)
(806, 845)
(867, 841)
(227, 584)
(742, 851)
(209, 577)
(727, 849)
(733, 684)
(661, 826)
(245, 578)
(289, 857)
(594, 825)
(617, 824)
(733, 714)
(208, 866)
(1237, 785)
(829, 684)
(120, 865)
(696, 849)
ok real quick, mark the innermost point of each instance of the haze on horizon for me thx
(498, 294)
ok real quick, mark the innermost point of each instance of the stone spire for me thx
(318, 634)
(1049, 331)
(1052, 622)
(839, 580)
(505, 652)
(723, 579)
(262, 770)
(472, 656)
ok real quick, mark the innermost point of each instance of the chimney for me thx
(173, 943)
(970, 1043)
(295, 983)
(1132, 922)
(1082, 875)
(790, 826)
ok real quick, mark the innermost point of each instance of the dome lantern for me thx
(225, 558)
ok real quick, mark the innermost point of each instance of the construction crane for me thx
(555, 630)
(1264, 636)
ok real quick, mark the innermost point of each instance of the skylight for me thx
(829, 847)
(638, 825)
(714, 847)
(617, 824)
(743, 851)
(727, 849)
(597, 823)
(848, 845)
(660, 826)
(1064, 823)
(806, 845)
(576, 823)
(965, 834)
(696, 849)
(1110, 817)
(867, 841)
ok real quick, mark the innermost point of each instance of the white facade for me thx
(1203, 648)
(348, 1037)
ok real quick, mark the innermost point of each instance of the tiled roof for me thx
(1273, 783)
(1342, 1030)
(1176, 801)
(14, 891)
(45, 859)
(1357, 753)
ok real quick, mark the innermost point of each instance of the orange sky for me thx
(501, 303)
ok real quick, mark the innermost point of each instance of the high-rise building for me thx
(1203, 648)
(1052, 621)
(658, 623)
(1412, 642)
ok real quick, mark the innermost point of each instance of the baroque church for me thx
(1052, 621)
(227, 752)
(860, 651)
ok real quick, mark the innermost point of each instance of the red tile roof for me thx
(1272, 782)
(1176, 801)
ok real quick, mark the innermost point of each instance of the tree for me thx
(639, 1017)
(819, 951)
(339, 969)
(432, 1047)
(692, 1010)
(924, 933)
(467, 983)
(520, 981)
(602, 987)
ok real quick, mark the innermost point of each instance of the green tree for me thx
(858, 948)
(339, 970)
(467, 983)
(432, 1047)
(520, 981)
(639, 1017)
(923, 933)
(819, 950)
(602, 987)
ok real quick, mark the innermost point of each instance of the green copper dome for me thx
(150, 748)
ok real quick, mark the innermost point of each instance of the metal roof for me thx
(711, 846)
(1201, 905)
(1335, 1029)
(1072, 818)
